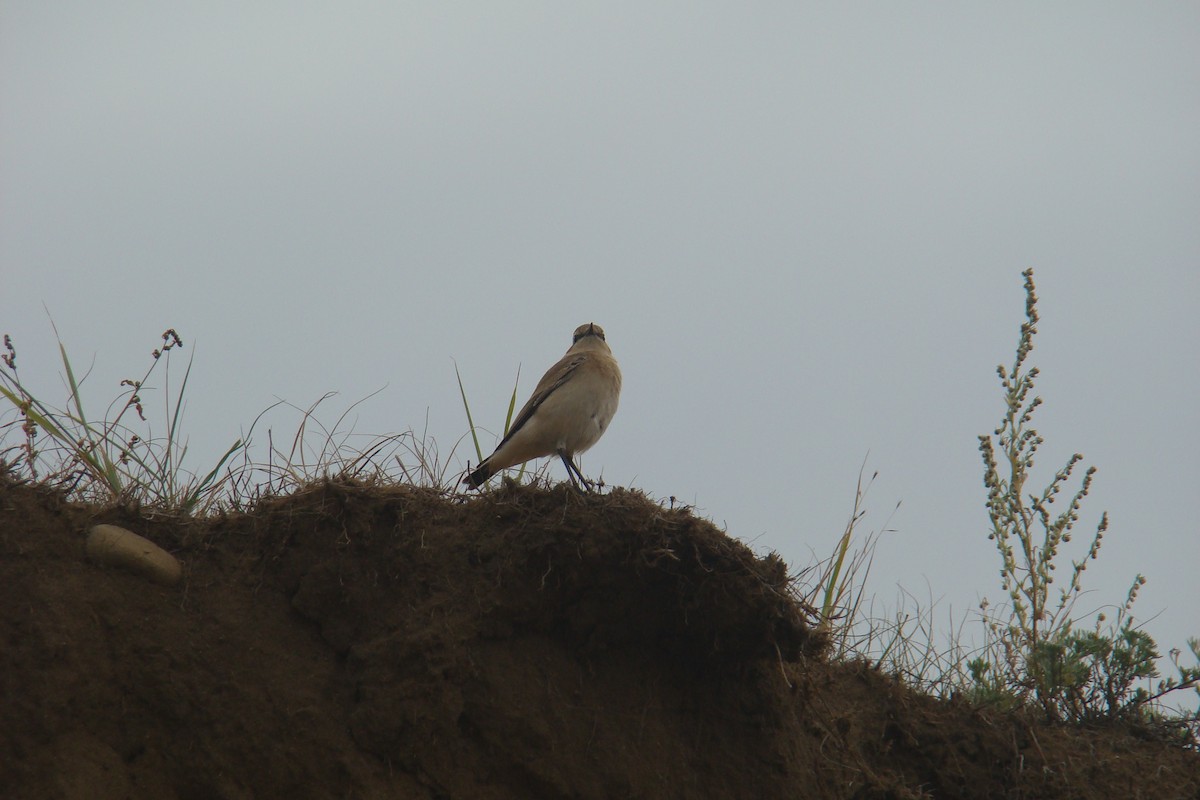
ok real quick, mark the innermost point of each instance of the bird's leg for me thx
(573, 471)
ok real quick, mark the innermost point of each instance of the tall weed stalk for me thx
(1035, 653)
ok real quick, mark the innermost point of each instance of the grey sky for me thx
(802, 225)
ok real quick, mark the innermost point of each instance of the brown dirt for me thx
(370, 642)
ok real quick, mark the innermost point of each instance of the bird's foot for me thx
(577, 479)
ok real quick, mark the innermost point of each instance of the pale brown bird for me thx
(568, 412)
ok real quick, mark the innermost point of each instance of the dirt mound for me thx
(361, 642)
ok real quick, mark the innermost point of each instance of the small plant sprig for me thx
(1035, 653)
(107, 458)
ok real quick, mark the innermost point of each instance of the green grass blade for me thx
(173, 453)
(467, 407)
(189, 501)
(512, 403)
(94, 453)
(833, 588)
(75, 395)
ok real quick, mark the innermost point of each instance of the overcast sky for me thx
(802, 225)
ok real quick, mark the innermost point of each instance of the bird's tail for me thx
(477, 476)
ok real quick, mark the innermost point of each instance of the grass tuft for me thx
(118, 457)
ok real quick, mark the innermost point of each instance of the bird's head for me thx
(588, 329)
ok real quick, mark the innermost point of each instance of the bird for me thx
(569, 411)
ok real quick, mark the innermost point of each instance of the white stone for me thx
(114, 546)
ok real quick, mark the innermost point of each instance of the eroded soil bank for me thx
(353, 641)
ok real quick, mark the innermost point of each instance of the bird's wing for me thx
(554, 378)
